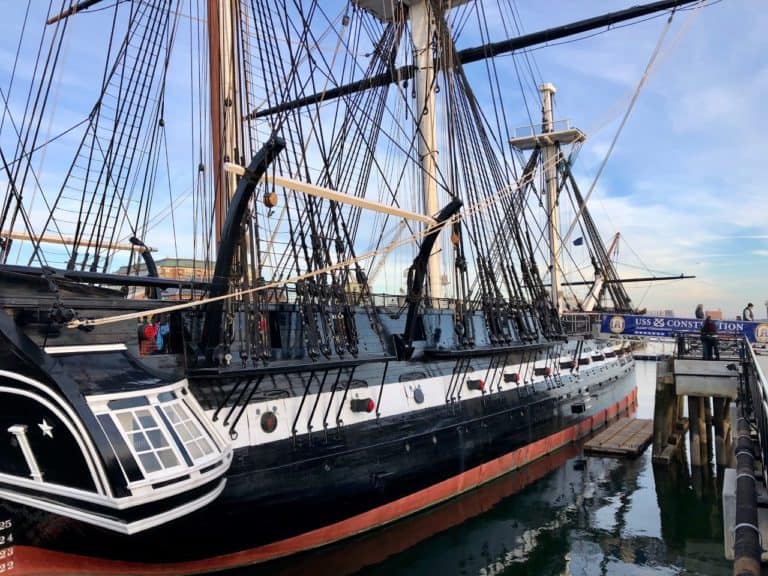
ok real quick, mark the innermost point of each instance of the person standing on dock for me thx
(699, 311)
(709, 339)
(747, 315)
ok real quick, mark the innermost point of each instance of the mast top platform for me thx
(385, 9)
(548, 133)
(530, 137)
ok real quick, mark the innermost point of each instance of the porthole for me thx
(268, 422)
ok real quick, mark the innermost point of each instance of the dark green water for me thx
(564, 515)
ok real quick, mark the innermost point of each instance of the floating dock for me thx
(625, 437)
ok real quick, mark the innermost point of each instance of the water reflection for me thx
(443, 531)
(590, 516)
(513, 526)
(691, 516)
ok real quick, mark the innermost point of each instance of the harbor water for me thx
(566, 514)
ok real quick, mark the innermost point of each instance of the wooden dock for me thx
(625, 437)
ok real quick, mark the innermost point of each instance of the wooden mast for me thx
(422, 33)
(226, 137)
(214, 65)
(549, 152)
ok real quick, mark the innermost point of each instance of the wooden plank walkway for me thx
(625, 437)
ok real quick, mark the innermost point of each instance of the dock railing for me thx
(580, 323)
(756, 389)
(731, 347)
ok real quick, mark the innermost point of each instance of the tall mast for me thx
(549, 152)
(548, 141)
(225, 104)
(422, 32)
(214, 66)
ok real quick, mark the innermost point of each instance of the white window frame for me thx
(189, 414)
(159, 425)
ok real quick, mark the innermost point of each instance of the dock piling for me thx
(721, 421)
(697, 430)
(667, 411)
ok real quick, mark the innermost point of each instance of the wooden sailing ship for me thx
(289, 404)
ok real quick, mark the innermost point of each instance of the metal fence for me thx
(730, 347)
(756, 388)
(580, 323)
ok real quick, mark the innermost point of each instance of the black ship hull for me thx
(297, 494)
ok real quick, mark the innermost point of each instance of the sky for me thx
(683, 185)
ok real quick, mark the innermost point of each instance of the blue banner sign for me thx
(668, 326)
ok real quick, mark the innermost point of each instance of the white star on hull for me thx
(46, 428)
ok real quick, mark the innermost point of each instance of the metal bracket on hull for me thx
(230, 236)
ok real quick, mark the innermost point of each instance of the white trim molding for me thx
(75, 428)
(53, 350)
(111, 523)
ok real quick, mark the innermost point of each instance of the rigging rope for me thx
(320, 232)
(473, 212)
(624, 119)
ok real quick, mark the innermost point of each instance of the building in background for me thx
(665, 312)
(183, 269)
(716, 314)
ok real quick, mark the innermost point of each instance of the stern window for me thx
(194, 440)
(147, 440)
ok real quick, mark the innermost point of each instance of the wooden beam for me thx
(336, 196)
(67, 241)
